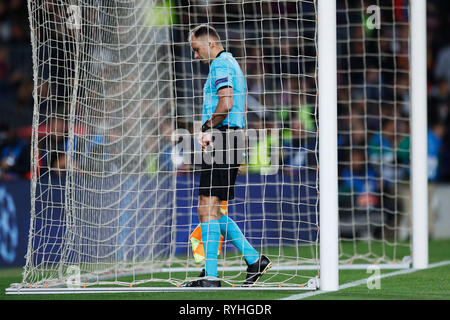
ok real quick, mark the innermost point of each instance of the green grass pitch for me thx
(428, 284)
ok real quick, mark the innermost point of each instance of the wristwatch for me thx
(205, 126)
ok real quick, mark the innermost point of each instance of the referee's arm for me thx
(223, 107)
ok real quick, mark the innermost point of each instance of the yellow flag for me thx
(196, 238)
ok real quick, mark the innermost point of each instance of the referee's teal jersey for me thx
(225, 72)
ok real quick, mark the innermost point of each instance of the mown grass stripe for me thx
(363, 281)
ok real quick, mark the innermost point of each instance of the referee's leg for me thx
(208, 212)
(208, 208)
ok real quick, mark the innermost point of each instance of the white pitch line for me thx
(363, 281)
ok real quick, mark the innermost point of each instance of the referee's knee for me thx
(208, 208)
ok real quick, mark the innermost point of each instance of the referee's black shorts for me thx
(220, 167)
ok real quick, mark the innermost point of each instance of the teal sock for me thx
(231, 232)
(211, 240)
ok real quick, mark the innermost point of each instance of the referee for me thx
(222, 137)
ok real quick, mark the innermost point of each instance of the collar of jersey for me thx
(219, 54)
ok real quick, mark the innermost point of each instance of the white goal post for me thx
(329, 211)
(328, 107)
(419, 143)
(335, 125)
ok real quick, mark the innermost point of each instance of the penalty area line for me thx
(363, 281)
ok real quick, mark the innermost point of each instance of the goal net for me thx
(373, 131)
(118, 94)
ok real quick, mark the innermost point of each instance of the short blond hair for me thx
(204, 30)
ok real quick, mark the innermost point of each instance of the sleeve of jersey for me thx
(222, 76)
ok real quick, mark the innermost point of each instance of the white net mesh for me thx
(276, 192)
(100, 201)
(373, 125)
(113, 198)
(110, 194)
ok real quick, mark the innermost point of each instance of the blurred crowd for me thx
(16, 90)
(373, 78)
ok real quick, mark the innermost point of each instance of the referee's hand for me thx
(205, 139)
